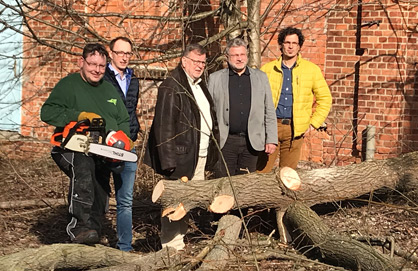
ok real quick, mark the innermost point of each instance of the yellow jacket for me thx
(307, 83)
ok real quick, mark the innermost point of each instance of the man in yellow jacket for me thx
(294, 82)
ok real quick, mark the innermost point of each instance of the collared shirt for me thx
(284, 107)
(239, 101)
(123, 82)
(205, 117)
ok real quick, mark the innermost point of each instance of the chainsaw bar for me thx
(111, 152)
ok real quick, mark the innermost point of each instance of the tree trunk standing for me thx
(318, 185)
(311, 236)
(254, 51)
(231, 17)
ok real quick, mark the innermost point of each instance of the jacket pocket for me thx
(182, 149)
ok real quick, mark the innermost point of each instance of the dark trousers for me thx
(89, 189)
(239, 156)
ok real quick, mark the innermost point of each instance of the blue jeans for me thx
(124, 187)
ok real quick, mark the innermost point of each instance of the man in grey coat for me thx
(245, 112)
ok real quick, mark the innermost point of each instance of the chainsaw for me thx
(90, 137)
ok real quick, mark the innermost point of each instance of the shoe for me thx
(89, 237)
(177, 242)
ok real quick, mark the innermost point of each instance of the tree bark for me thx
(81, 257)
(312, 237)
(254, 59)
(230, 16)
(31, 203)
(229, 227)
(318, 185)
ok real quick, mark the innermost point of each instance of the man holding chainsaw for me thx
(127, 85)
(86, 97)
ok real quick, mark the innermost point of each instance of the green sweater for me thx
(72, 95)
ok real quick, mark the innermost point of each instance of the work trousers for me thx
(173, 232)
(89, 189)
(288, 150)
(239, 156)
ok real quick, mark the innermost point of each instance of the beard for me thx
(237, 69)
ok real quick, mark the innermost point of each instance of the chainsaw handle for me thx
(74, 129)
(82, 126)
(54, 141)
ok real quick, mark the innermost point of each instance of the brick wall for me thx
(371, 70)
(372, 74)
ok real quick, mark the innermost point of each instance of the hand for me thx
(119, 140)
(310, 129)
(323, 127)
(131, 144)
(270, 148)
(88, 115)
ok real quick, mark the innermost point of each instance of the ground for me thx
(42, 223)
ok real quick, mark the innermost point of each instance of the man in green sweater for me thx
(79, 96)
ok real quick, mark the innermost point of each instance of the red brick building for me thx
(367, 51)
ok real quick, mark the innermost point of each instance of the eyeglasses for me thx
(288, 43)
(122, 53)
(100, 66)
(238, 55)
(196, 62)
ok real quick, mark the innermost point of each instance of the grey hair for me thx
(200, 50)
(237, 42)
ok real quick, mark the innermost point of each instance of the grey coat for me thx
(262, 121)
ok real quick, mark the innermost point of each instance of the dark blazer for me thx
(173, 144)
(130, 101)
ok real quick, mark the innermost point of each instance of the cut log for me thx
(80, 257)
(317, 186)
(229, 227)
(312, 237)
(222, 204)
(167, 211)
(178, 213)
(158, 191)
(290, 178)
(253, 190)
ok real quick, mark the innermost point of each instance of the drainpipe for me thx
(370, 144)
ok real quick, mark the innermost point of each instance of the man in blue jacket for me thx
(127, 85)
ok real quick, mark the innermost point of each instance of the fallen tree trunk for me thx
(251, 190)
(311, 236)
(81, 257)
(31, 203)
(268, 191)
